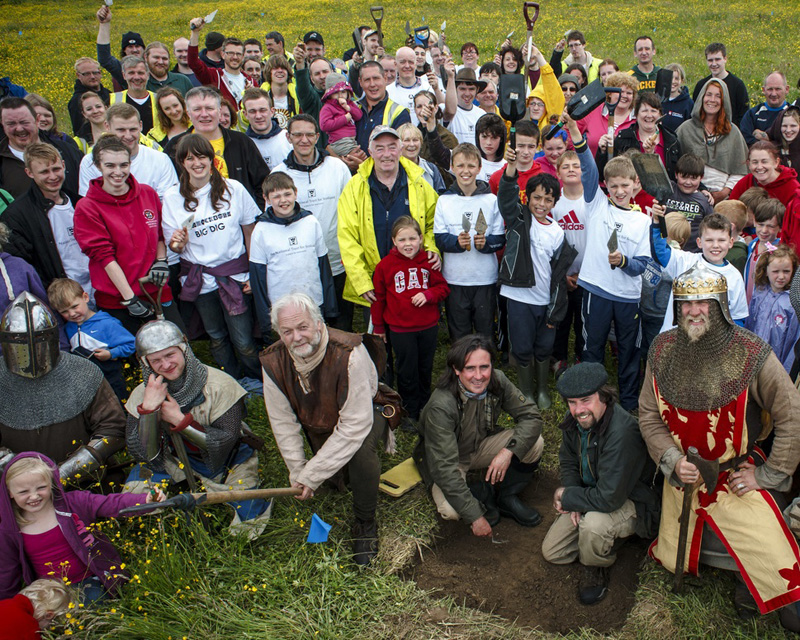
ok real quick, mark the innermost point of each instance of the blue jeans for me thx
(531, 338)
(230, 335)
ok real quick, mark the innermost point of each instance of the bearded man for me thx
(321, 382)
(706, 385)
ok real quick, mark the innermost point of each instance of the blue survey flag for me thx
(318, 531)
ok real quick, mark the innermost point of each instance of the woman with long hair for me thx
(711, 135)
(171, 116)
(785, 132)
(208, 221)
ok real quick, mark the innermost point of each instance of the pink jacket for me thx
(333, 120)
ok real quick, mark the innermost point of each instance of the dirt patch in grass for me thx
(513, 580)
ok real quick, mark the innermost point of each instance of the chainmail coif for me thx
(711, 372)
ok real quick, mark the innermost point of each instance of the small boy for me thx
(686, 198)
(751, 199)
(769, 218)
(617, 253)
(471, 275)
(527, 142)
(288, 253)
(533, 275)
(570, 214)
(736, 213)
(34, 608)
(715, 241)
(657, 286)
(93, 334)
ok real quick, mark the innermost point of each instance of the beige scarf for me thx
(305, 366)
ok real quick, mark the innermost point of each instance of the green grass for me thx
(198, 583)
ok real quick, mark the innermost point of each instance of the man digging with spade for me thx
(706, 385)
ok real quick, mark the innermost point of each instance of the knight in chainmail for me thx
(186, 414)
(53, 402)
(708, 384)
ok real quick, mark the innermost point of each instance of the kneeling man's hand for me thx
(481, 527)
(498, 467)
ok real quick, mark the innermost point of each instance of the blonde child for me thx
(408, 291)
(44, 530)
(33, 609)
(771, 314)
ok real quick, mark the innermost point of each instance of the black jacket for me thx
(74, 106)
(12, 170)
(626, 139)
(244, 161)
(516, 267)
(619, 464)
(31, 234)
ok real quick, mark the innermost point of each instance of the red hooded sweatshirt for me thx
(124, 228)
(784, 188)
(397, 279)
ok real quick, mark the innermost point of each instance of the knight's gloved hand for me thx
(159, 273)
(136, 308)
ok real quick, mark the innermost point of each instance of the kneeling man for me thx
(459, 433)
(321, 382)
(606, 475)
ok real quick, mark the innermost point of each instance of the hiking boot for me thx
(518, 476)
(484, 493)
(365, 541)
(746, 607)
(594, 585)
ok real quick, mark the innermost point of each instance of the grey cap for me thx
(568, 77)
(582, 380)
(381, 129)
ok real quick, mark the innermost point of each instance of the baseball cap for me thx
(381, 129)
(315, 36)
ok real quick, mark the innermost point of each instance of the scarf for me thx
(305, 366)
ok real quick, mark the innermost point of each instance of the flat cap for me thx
(582, 380)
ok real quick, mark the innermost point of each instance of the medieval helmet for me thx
(158, 335)
(701, 283)
(29, 337)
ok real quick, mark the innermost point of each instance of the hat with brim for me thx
(342, 85)
(467, 76)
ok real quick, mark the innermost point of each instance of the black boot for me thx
(517, 478)
(484, 493)
(790, 620)
(743, 601)
(594, 585)
(365, 541)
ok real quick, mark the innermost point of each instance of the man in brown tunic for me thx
(321, 382)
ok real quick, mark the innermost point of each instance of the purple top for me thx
(74, 510)
(773, 319)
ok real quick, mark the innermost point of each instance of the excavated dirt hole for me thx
(513, 580)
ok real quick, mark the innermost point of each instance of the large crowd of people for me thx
(257, 197)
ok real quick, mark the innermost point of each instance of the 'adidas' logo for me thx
(570, 222)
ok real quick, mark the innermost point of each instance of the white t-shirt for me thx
(545, 241)
(633, 237)
(291, 254)
(275, 149)
(235, 83)
(20, 155)
(215, 237)
(404, 96)
(150, 167)
(468, 268)
(74, 261)
(318, 192)
(463, 123)
(488, 167)
(570, 215)
(681, 261)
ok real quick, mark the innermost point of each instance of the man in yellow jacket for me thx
(385, 187)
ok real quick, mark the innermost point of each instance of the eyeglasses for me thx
(89, 73)
(307, 136)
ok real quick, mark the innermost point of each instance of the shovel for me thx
(157, 309)
(581, 105)
(377, 15)
(663, 84)
(359, 44)
(422, 36)
(655, 181)
(512, 102)
(208, 19)
(530, 22)
(612, 107)
(188, 501)
(709, 475)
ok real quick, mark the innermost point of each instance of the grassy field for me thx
(195, 582)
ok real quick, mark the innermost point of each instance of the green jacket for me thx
(448, 436)
(619, 464)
